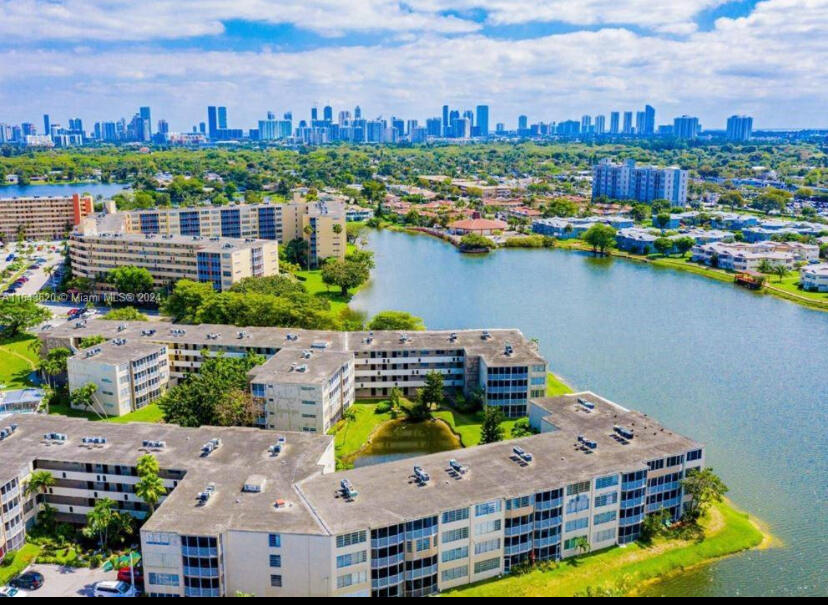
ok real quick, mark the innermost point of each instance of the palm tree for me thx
(99, 520)
(147, 465)
(38, 482)
(581, 544)
(55, 363)
(150, 489)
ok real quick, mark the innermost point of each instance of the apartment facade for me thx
(641, 183)
(219, 261)
(502, 364)
(42, 218)
(740, 256)
(321, 224)
(128, 375)
(241, 515)
(814, 278)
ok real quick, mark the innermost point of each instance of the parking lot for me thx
(60, 581)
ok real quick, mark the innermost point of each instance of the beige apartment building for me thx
(251, 511)
(42, 218)
(321, 224)
(217, 260)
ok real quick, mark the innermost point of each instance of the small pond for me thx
(398, 439)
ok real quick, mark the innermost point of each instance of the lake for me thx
(95, 189)
(397, 439)
(745, 373)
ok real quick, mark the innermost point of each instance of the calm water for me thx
(95, 189)
(745, 373)
(399, 439)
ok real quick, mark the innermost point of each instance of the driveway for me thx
(60, 581)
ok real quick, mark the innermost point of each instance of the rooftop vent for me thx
(587, 404)
(93, 440)
(301, 368)
(623, 432)
(587, 442)
(291, 336)
(348, 490)
(457, 467)
(153, 445)
(210, 446)
(508, 350)
(453, 336)
(208, 492)
(306, 354)
(403, 337)
(486, 335)
(320, 344)
(420, 475)
(522, 454)
(178, 331)
(57, 437)
(242, 334)
(149, 332)
(122, 327)
(254, 484)
(212, 336)
(7, 431)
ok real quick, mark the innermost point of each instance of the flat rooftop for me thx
(243, 452)
(213, 244)
(489, 344)
(300, 366)
(389, 494)
(115, 353)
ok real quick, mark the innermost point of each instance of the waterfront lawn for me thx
(621, 571)
(148, 413)
(16, 561)
(469, 426)
(19, 356)
(351, 435)
(555, 386)
(312, 280)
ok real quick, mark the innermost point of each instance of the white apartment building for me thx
(740, 256)
(641, 183)
(243, 515)
(814, 278)
(128, 374)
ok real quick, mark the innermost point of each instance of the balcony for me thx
(631, 520)
(386, 561)
(201, 572)
(194, 551)
(389, 581)
(516, 530)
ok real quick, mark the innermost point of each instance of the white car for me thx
(114, 588)
(10, 591)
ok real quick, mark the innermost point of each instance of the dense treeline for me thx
(339, 166)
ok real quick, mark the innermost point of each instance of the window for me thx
(606, 499)
(654, 465)
(275, 560)
(455, 515)
(356, 537)
(577, 488)
(487, 508)
(276, 580)
(487, 527)
(604, 535)
(518, 502)
(609, 481)
(350, 579)
(487, 546)
(455, 573)
(353, 558)
(572, 542)
(694, 455)
(274, 540)
(577, 504)
(455, 534)
(487, 565)
(460, 552)
(423, 544)
(675, 460)
(604, 517)
(577, 524)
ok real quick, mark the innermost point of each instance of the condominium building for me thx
(42, 218)
(641, 183)
(127, 374)
(218, 260)
(503, 364)
(321, 224)
(814, 278)
(740, 256)
(249, 511)
(739, 128)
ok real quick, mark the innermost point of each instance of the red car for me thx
(124, 575)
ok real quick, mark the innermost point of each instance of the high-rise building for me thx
(641, 183)
(649, 121)
(446, 124)
(614, 122)
(327, 113)
(212, 121)
(47, 127)
(628, 124)
(222, 118)
(483, 120)
(586, 124)
(523, 125)
(686, 127)
(434, 127)
(600, 125)
(639, 123)
(144, 112)
(357, 113)
(314, 114)
(739, 128)
(163, 127)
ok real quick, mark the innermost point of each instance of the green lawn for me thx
(555, 386)
(148, 413)
(312, 280)
(18, 357)
(625, 570)
(17, 561)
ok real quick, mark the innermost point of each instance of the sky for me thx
(549, 59)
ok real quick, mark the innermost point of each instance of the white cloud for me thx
(770, 64)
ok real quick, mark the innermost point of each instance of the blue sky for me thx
(550, 59)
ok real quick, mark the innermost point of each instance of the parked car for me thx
(11, 591)
(115, 588)
(124, 574)
(30, 580)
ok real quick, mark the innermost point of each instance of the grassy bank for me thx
(623, 571)
(15, 562)
(19, 356)
(555, 386)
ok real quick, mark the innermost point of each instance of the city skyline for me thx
(706, 58)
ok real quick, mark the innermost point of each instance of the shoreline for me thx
(661, 262)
